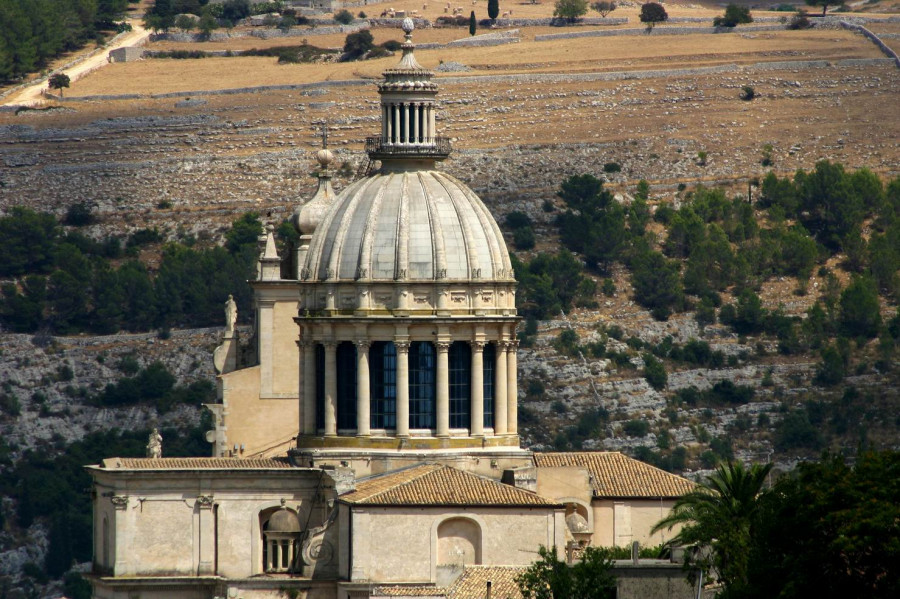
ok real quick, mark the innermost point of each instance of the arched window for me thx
(383, 385)
(460, 363)
(458, 542)
(490, 357)
(346, 385)
(281, 540)
(421, 384)
(320, 385)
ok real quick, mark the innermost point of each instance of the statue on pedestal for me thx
(154, 445)
(230, 315)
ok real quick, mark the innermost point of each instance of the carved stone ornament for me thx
(443, 346)
(304, 273)
(478, 346)
(205, 502)
(401, 275)
(362, 273)
(476, 273)
(362, 345)
(458, 298)
(442, 273)
(420, 299)
(120, 502)
(329, 273)
(402, 347)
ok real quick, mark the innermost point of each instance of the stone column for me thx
(308, 381)
(330, 389)
(476, 429)
(500, 380)
(402, 388)
(390, 123)
(431, 121)
(363, 419)
(405, 108)
(443, 388)
(413, 123)
(512, 388)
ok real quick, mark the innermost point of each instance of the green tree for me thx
(653, 13)
(356, 45)
(655, 372)
(235, 10)
(594, 223)
(829, 530)
(344, 17)
(185, 23)
(860, 308)
(473, 24)
(824, 4)
(551, 578)
(734, 15)
(720, 514)
(657, 284)
(59, 81)
(604, 8)
(493, 9)
(27, 242)
(207, 25)
(570, 10)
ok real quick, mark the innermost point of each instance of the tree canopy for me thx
(570, 10)
(551, 578)
(604, 8)
(653, 13)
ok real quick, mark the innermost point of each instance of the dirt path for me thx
(33, 94)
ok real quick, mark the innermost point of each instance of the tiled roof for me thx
(434, 484)
(408, 591)
(195, 463)
(616, 475)
(473, 583)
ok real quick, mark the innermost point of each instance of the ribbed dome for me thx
(408, 225)
(577, 523)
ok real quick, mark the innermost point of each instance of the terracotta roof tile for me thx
(434, 484)
(473, 583)
(616, 475)
(195, 463)
(408, 591)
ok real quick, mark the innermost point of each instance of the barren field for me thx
(579, 55)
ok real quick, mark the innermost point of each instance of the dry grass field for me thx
(580, 55)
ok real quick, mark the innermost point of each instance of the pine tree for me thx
(472, 23)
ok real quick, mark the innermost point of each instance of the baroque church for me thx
(366, 440)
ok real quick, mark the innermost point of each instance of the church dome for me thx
(284, 520)
(577, 523)
(406, 224)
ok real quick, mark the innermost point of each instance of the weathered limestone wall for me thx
(400, 544)
(621, 522)
(262, 426)
(184, 523)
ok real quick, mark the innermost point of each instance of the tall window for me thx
(346, 385)
(383, 387)
(320, 386)
(421, 384)
(490, 357)
(460, 362)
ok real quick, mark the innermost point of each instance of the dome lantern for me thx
(408, 111)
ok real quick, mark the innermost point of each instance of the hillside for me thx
(177, 150)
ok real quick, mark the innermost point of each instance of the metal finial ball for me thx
(408, 25)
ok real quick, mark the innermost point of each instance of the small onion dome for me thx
(308, 216)
(577, 524)
(417, 225)
(284, 520)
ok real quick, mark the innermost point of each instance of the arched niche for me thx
(458, 542)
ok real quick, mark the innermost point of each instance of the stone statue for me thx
(154, 445)
(230, 314)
